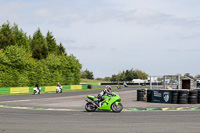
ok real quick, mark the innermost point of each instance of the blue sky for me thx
(108, 36)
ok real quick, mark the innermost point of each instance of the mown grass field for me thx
(92, 81)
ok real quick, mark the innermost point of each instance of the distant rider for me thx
(38, 87)
(118, 86)
(106, 91)
(59, 85)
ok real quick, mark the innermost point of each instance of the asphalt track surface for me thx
(15, 120)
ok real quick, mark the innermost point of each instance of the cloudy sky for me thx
(108, 36)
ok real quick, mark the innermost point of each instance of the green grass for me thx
(15, 94)
(92, 81)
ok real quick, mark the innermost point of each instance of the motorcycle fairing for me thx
(109, 101)
(92, 97)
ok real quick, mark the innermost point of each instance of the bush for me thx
(18, 69)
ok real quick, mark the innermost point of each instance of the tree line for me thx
(129, 75)
(125, 75)
(27, 60)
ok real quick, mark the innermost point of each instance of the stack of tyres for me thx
(149, 95)
(198, 95)
(140, 95)
(183, 97)
(174, 97)
(193, 97)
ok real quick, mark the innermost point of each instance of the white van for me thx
(139, 81)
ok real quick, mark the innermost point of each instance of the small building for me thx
(188, 83)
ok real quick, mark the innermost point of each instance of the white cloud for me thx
(143, 14)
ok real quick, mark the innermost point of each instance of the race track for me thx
(61, 120)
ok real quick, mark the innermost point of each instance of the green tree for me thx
(6, 36)
(87, 74)
(188, 75)
(15, 63)
(115, 77)
(76, 69)
(61, 49)
(51, 43)
(24, 61)
(128, 75)
(107, 79)
(20, 37)
(13, 36)
(99, 79)
(140, 74)
(39, 46)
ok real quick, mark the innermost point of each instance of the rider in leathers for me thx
(106, 91)
(38, 87)
(59, 85)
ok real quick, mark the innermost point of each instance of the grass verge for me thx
(94, 88)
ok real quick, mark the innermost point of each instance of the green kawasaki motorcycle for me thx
(110, 102)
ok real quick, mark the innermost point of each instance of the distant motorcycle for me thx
(125, 85)
(59, 89)
(36, 91)
(118, 86)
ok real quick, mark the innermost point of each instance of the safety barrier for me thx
(24, 90)
(121, 83)
(170, 96)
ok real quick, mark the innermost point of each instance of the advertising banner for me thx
(161, 96)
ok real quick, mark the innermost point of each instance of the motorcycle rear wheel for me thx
(116, 108)
(90, 107)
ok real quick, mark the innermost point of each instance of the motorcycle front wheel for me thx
(117, 108)
(90, 107)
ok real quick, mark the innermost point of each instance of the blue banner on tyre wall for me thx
(161, 96)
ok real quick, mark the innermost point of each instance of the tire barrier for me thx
(198, 95)
(170, 96)
(193, 97)
(149, 95)
(89, 86)
(140, 95)
(174, 99)
(183, 97)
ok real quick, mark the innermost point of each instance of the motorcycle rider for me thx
(118, 86)
(59, 85)
(59, 88)
(106, 91)
(38, 87)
